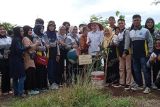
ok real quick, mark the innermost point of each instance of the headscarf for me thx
(107, 38)
(37, 30)
(150, 29)
(51, 34)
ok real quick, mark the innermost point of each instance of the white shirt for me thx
(5, 42)
(94, 39)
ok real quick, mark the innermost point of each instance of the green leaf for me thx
(117, 13)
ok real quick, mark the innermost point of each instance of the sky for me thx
(24, 12)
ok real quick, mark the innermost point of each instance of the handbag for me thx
(41, 60)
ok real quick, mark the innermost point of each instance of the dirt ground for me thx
(142, 100)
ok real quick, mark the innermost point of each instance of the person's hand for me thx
(37, 43)
(74, 46)
(42, 48)
(52, 44)
(152, 59)
(124, 55)
(62, 43)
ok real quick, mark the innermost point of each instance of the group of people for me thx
(128, 52)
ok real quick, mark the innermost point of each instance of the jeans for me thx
(138, 65)
(18, 86)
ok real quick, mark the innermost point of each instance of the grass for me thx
(76, 96)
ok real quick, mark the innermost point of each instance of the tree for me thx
(103, 21)
(8, 26)
(158, 26)
(99, 19)
(119, 15)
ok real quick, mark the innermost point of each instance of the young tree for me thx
(119, 15)
(99, 19)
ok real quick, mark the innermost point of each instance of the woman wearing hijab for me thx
(17, 68)
(150, 25)
(63, 62)
(72, 44)
(41, 70)
(54, 76)
(111, 68)
(5, 43)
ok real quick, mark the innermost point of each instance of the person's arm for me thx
(27, 43)
(68, 43)
(101, 37)
(149, 41)
(18, 47)
(127, 42)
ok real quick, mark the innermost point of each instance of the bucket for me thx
(97, 78)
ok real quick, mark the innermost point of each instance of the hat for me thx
(100, 26)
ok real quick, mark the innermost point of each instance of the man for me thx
(94, 39)
(112, 22)
(142, 46)
(124, 59)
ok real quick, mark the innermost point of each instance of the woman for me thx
(72, 42)
(29, 55)
(5, 43)
(41, 70)
(54, 76)
(150, 25)
(17, 68)
(83, 41)
(154, 63)
(63, 62)
(111, 68)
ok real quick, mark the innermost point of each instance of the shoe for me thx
(54, 86)
(117, 85)
(127, 87)
(133, 84)
(154, 86)
(136, 87)
(147, 90)
(22, 95)
(10, 92)
(32, 92)
(158, 89)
